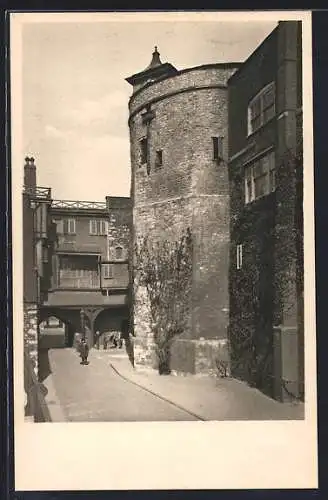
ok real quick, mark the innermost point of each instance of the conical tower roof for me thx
(154, 71)
(156, 61)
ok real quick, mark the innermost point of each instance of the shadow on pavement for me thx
(129, 350)
(44, 365)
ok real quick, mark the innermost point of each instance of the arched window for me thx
(118, 252)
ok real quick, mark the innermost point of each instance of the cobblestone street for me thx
(95, 392)
(108, 389)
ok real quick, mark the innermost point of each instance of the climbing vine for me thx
(164, 269)
(265, 289)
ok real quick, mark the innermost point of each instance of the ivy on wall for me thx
(164, 269)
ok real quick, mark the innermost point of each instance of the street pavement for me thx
(96, 393)
(110, 389)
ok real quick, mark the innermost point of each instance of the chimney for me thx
(29, 173)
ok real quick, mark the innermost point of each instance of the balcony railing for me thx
(77, 205)
(38, 192)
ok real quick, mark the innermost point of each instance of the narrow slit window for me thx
(159, 158)
(143, 151)
(217, 148)
(239, 256)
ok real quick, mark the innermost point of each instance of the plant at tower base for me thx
(164, 269)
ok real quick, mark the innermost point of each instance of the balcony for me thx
(38, 192)
(78, 283)
(78, 205)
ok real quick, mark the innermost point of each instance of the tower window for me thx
(239, 260)
(159, 158)
(217, 148)
(143, 151)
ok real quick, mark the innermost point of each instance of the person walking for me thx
(84, 352)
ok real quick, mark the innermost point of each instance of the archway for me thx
(108, 321)
(69, 319)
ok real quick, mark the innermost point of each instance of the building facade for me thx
(265, 176)
(76, 263)
(38, 244)
(179, 151)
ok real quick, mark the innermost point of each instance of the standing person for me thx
(84, 352)
(98, 339)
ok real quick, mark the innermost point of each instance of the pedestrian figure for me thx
(84, 350)
(98, 339)
(105, 341)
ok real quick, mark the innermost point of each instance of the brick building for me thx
(179, 151)
(76, 262)
(265, 175)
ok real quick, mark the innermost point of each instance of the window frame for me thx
(259, 97)
(98, 227)
(268, 173)
(108, 271)
(239, 256)
(68, 223)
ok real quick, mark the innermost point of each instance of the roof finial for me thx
(155, 60)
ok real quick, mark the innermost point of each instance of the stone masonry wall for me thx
(31, 333)
(189, 189)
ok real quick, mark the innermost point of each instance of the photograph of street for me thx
(162, 238)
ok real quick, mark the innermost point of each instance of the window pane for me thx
(261, 186)
(272, 181)
(255, 108)
(268, 97)
(268, 114)
(93, 227)
(272, 161)
(71, 226)
(265, 163)
(256, 123)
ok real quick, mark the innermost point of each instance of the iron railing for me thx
(88, 205)
(36, 407)
(38, 192)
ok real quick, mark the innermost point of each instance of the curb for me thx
(52, 401)
(157, 395)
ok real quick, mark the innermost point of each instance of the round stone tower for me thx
(179, 145)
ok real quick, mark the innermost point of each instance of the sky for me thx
(75, 97)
